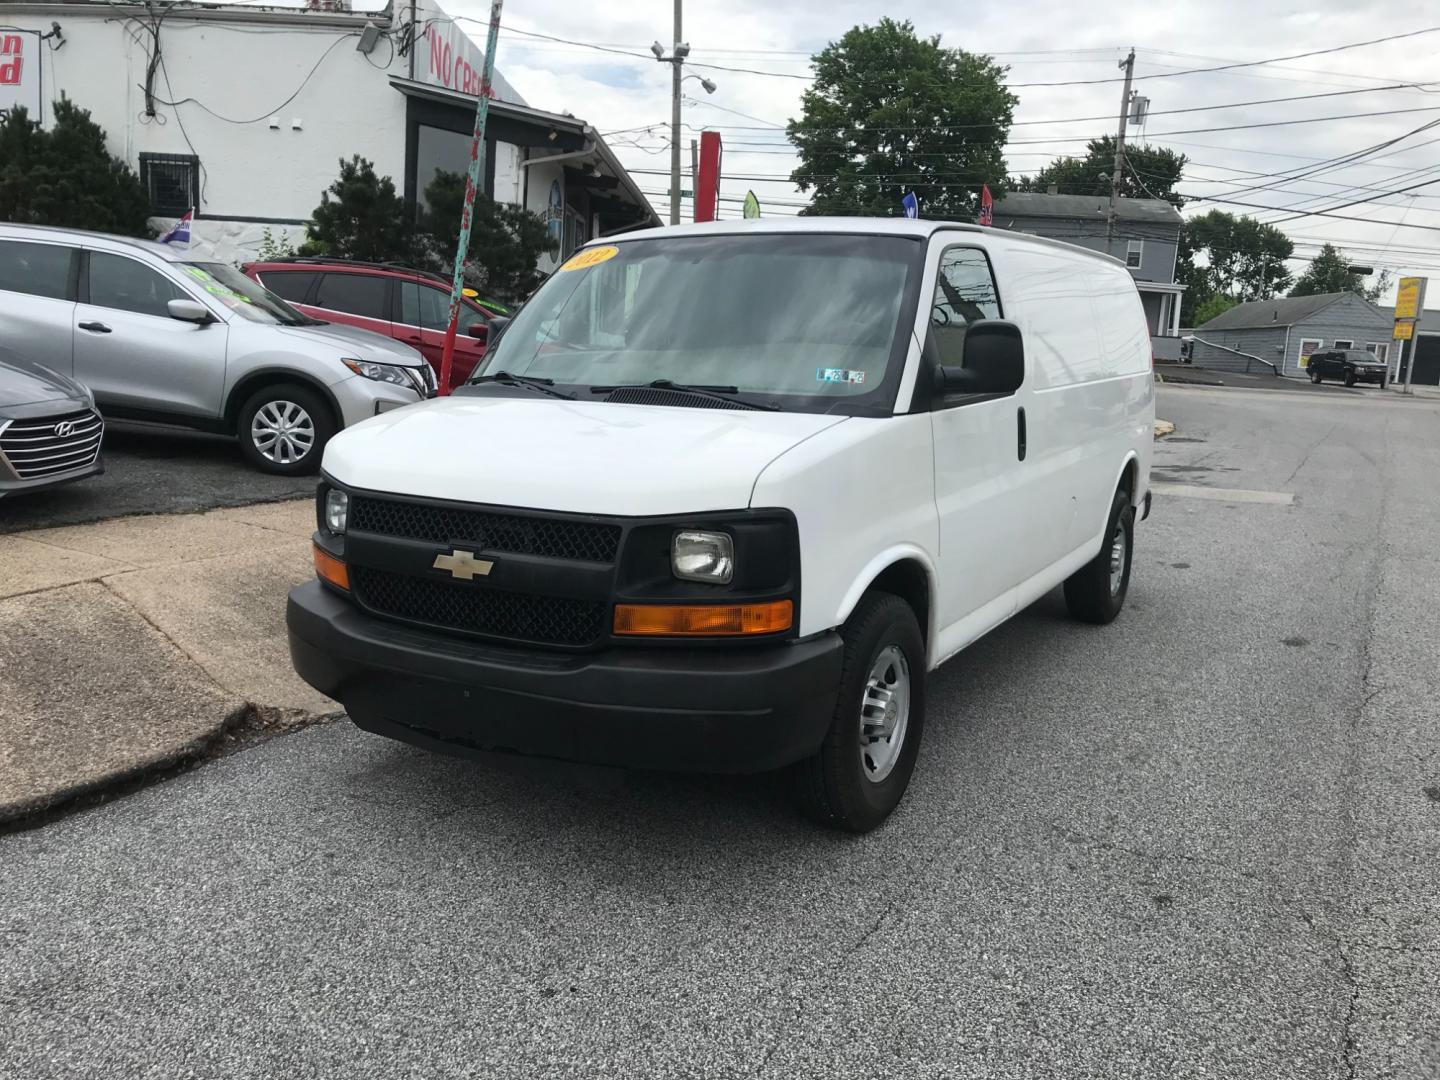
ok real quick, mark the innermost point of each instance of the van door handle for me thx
(95, 327)
(1020, 432)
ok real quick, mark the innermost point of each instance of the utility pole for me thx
(677, 59)
(1129, 65)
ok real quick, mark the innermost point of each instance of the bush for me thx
(66, 177)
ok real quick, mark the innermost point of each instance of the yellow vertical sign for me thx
(1407, 298)
(1404, 330)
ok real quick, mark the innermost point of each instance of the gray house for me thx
(1147, 234)
(1284, 332)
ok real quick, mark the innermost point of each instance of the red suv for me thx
(407, 305)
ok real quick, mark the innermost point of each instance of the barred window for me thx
(173, 181)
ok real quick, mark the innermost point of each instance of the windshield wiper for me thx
(532, 382)
(714, 393)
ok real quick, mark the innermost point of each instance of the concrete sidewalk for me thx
(135, 643)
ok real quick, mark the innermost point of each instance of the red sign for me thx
(450, 68)
(10, 70)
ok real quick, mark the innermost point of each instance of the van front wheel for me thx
(865, 763)
(1096, 592)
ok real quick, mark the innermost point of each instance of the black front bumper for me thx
(695, 709)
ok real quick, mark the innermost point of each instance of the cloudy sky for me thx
(1044, 41)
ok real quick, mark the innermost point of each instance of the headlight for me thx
(703, 556)
(391, 373)
(337, 509)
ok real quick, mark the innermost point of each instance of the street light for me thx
(709, 86)
(678, 52)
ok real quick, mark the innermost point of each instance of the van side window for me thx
(964, 293)
(127, 285)
(36, 269)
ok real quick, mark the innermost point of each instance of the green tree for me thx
(890, 112)
(505, 241)
(1244, 260)
(1329, 272)
(65, 176)
(1150, 172)
(1216, 304)
(361, 216)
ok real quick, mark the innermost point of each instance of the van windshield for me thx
(805, 321)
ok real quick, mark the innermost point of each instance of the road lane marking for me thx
(1196, 491)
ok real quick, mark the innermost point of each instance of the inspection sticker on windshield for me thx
(837, 374)
(590, 257)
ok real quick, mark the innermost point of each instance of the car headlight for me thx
(703, 556)
(337, 510)
(390, 373)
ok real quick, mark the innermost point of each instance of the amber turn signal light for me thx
(331, 569)
(703, 620)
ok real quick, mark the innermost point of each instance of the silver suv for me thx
(159, 336)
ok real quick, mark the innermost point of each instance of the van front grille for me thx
(476, 609)
(583, 541)
(52, 445)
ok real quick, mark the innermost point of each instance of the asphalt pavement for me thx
(1201, 842)
(152, 469)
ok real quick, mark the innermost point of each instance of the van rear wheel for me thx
(865, 763)
(1096, 592)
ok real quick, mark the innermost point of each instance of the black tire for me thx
(1314, 375)
(834, 786)
(1384, 382)
(1089, 593)
(313, 429)
(1350, 378)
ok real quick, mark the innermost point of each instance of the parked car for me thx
(50, 433)
(160, 335)
(724, 494)
(408, 305)
(1348, 365)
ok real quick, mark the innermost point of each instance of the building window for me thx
(1133, 252)
(1380, 349)
(1341, 344)
(173, 181)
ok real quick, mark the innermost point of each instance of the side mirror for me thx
(497, 328)
(992, 361)
(189, 311)
(476, 330)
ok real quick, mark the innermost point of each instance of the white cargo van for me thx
(722, 495)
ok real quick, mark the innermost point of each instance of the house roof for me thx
(1085, 207)
(1280, 311)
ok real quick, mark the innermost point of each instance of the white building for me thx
(245, 112)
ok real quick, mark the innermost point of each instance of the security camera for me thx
(658, 50)
(682, 50)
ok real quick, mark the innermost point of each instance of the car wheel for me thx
(865, 763)
(1350, 378)
(1096, 592)
(284, 428)
(1314, 374)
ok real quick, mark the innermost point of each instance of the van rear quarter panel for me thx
(863, 495)
(1089, 388)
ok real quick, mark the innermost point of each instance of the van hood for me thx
(359, 343)
(584, 457)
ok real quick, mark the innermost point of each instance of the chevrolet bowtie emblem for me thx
(463, 565)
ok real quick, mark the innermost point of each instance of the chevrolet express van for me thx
(722, 495)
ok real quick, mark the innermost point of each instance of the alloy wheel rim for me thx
(282, 432)
(884, 714)
(1117, 559)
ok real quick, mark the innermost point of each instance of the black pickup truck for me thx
(1348, 365)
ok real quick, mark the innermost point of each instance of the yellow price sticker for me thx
(589, 257)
